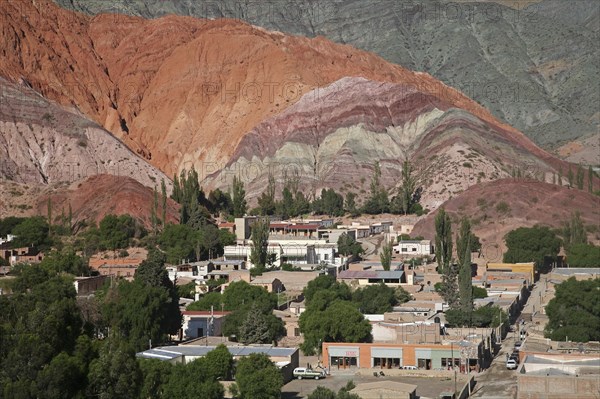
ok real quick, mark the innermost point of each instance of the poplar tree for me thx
(239, 198)
(266, 201)
(386, 255)
(49, 215)
(580, 177)
(590, 179)
(163, 189)
(153, 216)
(560, 176)
(443, 254)
(443, 240)
(260, 237)
(570, 176)
(465, 286)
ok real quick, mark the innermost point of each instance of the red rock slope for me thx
(183, 91)
(498, 207)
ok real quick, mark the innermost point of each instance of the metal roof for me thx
(371, 274)
(173, 352)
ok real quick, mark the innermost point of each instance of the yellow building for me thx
(528, 268)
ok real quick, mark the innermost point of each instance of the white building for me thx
(9, 238)
(414, 248)
(295, 252)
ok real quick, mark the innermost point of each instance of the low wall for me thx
(467, 389)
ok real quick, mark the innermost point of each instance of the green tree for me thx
(560, 176)
(32, 231)
(115, 374)
(139, 312)
(350, 204)
(590, 179)
(580, 177)
(221, 202)
(154, 211)
(570, 177)
(212, 299)
(321, 283)
(574, 231)
(179, 242)
(531, 244)
(408, 194)
(190, 381)
(574, 311)
(65, 261)
(266, 201)
(255, 328)
(8, 224)
(479, 292)
(386, 255)
(347, 246)
(443, 255)
(322, 393)
(257, 377)
(238, 198)
(330, 203)
(375, 299)
(260, 238)
(583, 255)
(155, 375)
(240, 293)
(443, 240)
(339, 322)
(401, 295)
(116, 231)
(61, 378)
(219, 364)
(163, 191)
(378, 201)
(152, 273)
(465, 286)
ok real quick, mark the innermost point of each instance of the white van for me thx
(301, 372)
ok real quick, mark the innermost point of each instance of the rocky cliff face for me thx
(334, 136)
(180, 91)
(525, 204)
(532, 64)
(52, 152)
(100, 195)
(43, 143)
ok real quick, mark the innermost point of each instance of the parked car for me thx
(523, 334)
(301, 372)
(511, 364)
(518, 346)
(410, 368)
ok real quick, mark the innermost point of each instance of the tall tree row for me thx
(443, 255)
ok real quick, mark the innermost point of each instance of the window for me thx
(326, 256)
(387, 363)
(414, 249)
(404, 249)
(296, 332)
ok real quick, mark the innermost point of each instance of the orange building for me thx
(389, 356)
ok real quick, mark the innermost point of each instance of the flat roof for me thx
(567, 271)
(586, 362)
(173, 352)
(371, 274)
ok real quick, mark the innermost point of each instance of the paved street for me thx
(497, 382)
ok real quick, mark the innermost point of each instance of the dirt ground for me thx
(427, 387)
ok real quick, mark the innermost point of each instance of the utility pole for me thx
(453, 365)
